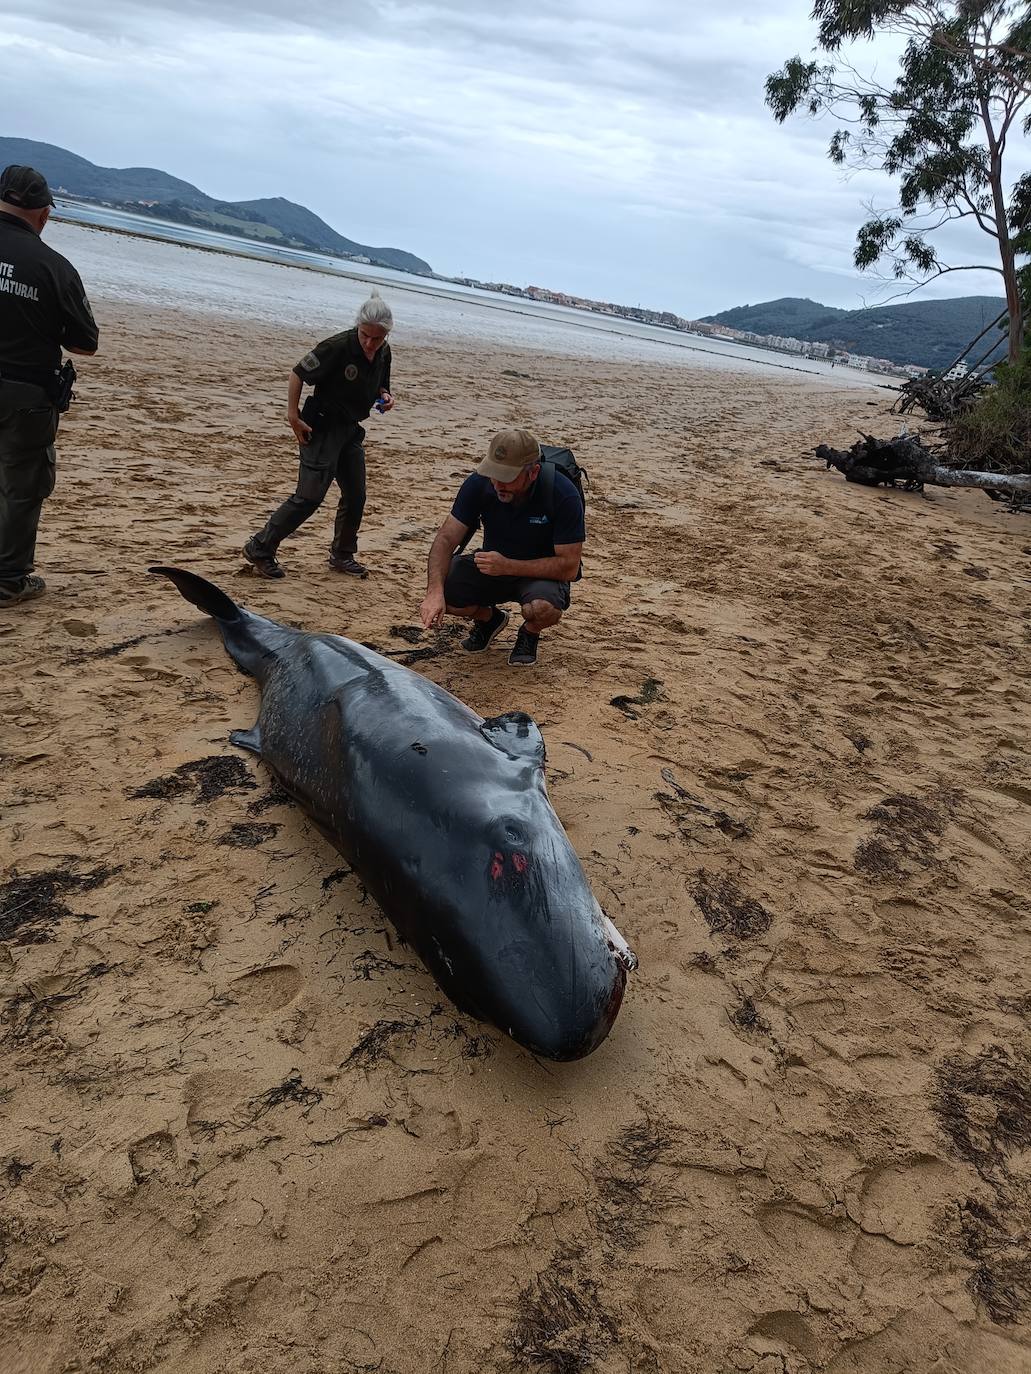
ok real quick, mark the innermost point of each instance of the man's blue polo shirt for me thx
(521, 529)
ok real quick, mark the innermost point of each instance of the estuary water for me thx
(136, 259)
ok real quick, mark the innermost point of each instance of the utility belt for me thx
(320, 417)
(57, 382)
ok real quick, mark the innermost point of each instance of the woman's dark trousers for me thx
(335, 453)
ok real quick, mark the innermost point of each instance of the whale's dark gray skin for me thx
(446, 818)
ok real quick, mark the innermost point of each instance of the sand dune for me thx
(787, 731)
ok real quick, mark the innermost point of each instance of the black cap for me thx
(25, 187)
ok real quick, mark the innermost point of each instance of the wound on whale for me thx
(445, 817)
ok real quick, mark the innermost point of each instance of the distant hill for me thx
(273, 220)
(928, 333)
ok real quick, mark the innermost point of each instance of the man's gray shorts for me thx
(467, 586)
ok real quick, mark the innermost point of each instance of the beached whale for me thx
(445, 817)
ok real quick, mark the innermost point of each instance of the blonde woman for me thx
(350, 373)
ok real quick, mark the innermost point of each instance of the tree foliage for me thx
(942, 129)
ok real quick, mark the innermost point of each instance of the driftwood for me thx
(906, 462)
(939, 398)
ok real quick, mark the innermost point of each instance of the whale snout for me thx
(561, 1009)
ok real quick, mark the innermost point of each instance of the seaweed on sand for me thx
(626, 1186)
(560, 1326)
(651, 690)
(290, 1090)
(905, 832)
(1001, 1277)
(726, 908)
(31, 906)
(249, 834)
(212, 777)
(746, 1017)
(983, 1103)
(374, 1044)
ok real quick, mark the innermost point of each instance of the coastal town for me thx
(665, 319)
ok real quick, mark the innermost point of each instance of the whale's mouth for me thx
(625, 956)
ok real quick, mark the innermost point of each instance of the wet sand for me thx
(786, 722)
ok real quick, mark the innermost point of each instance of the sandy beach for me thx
(786, 719)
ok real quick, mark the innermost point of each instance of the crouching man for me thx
(533, 533)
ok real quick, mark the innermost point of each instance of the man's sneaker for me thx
(524, 652)
(25, 590)
(483, 631)
(347, 563)
(263, 563)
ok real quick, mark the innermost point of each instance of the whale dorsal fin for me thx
(517, 735)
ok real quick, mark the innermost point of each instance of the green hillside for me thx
(298, 221)
(928, 333)
(272, 220)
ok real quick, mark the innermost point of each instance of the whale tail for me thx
(203, 594)
(251, 641)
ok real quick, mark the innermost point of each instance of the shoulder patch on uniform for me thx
(309, 362)
(351, 371)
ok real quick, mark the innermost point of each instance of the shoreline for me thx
(577, 319)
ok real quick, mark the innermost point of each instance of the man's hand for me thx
(388, 401)
(493, 564)
(302, 432)
(432, 610)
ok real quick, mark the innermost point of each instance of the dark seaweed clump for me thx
(31, 906)
(1001, 1276)
(627, 1188)
(726, 908)
(906, 832)
(651, 690)
(249, 834)
(290, 1090)
(211, 777)
(560, 1326)
(375, 1043)
(983, 1103)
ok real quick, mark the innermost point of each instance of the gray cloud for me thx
(615, 151)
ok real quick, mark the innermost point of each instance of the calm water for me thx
(179, 267)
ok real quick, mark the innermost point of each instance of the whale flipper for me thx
(248, 739)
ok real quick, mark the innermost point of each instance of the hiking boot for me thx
(263, 563)
(524, 651)
(483, 631)
(24, 590)
(347, 563)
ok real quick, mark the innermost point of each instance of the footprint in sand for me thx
(267, 990)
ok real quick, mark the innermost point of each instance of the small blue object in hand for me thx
(379, 405)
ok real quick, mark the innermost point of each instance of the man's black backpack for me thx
(553, 460)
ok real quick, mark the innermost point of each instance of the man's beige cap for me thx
(508, 453)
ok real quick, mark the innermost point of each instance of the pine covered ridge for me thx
(927, 333)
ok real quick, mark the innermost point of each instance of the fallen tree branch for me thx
(905, 461)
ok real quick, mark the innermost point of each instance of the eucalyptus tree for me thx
(945, 127)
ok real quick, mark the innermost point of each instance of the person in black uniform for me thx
(43, 309)
(350, 373)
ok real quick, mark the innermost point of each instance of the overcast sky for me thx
(613, 150)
